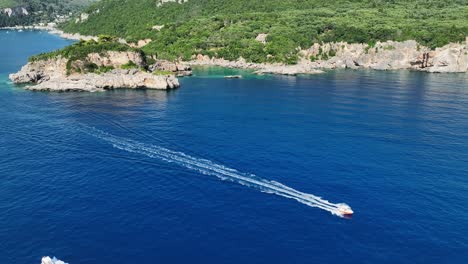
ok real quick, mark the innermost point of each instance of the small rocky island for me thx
(95, 66)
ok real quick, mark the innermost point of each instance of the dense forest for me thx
(228, 28)
(37, 10)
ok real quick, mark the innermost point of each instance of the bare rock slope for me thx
(389, 55)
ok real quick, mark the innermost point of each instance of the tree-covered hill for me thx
(228, 28)
(27, 12)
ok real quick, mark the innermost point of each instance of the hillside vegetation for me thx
(7, 3)
(228, 28)
(38, 10)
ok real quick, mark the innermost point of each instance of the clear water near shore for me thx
(393, 145)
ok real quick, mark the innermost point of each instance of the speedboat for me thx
(345, 210)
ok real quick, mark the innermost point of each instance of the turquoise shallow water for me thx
(187, 175)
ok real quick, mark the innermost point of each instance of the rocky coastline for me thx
(92, 82)
(52, 75)
(108, 72)
(389, 55)
(259, 68)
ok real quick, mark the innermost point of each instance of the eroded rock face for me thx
(176, 68)
(8, 11)
(389, 55)
(260, 68)
(15, 11)
(91, 82)
(116, 59)
(451, 58)
(141, 43)
(40, 71)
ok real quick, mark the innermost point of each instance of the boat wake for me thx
(208, 167)
(54, 260)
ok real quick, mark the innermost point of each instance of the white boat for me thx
(345, 210)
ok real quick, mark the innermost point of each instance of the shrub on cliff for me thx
(81, 49)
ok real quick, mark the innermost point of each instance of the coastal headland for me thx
(97, 66)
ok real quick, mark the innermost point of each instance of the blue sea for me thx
(231, 170)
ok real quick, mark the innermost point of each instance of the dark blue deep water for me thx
(133, 176)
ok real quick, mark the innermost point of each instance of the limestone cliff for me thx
(116, 59)
(389, 55)
(92, 82)
(15, 11)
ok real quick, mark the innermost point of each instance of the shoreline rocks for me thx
(52, 75)
(389, 55)
(92, 82)
(179, 69)
(259, 68)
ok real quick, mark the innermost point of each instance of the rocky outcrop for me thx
(8, 12)
(82, 18)
(162, 2)
(157, 27)
(262, 38)
(389, 55)
(15, 11)
(40, 71)
(260, 68)
(451, 58)
(53, 75)
(288, 69)
(141, 43)
(176, 68)
(116, 59)
(205, 60)
(91, 82)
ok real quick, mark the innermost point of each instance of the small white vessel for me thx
(233, 77)
(345, 210)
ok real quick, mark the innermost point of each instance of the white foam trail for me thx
(208, 167)
(48, 260)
